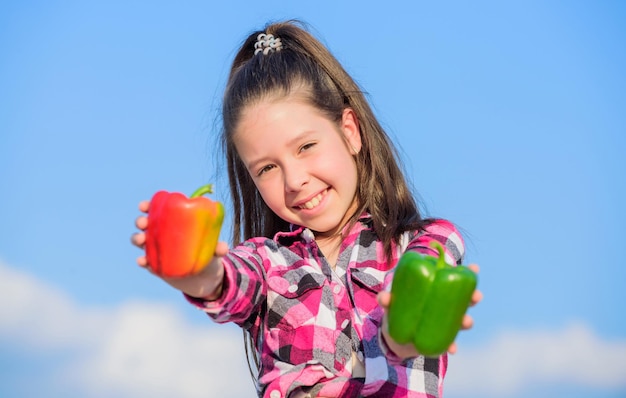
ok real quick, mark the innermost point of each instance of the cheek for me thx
(271, 193)
(336, 156)
(347, 164)
(342, 172)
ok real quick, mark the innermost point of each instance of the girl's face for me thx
(301, 162)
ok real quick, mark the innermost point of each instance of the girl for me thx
(322, 213)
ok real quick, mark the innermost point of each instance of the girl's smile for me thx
(313, 202)
(301, 162)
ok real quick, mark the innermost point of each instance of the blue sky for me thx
(510, 118)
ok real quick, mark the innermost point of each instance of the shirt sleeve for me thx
(444, 232)
(243, 287)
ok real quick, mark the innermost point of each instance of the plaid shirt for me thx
(310, 321)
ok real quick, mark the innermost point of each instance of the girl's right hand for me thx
(139, 238)
(207, 284)
(408, 350)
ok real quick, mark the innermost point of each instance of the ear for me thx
(351, 130)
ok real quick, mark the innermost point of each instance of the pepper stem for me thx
(441, 260)
(208, 188)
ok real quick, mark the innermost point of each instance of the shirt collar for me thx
(298, 232)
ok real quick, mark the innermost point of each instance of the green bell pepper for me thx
(428, 301)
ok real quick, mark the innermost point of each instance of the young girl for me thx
(322, 213)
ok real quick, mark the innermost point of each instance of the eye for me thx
(307, 146)
(265, 169)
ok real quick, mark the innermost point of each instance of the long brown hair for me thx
(305, 67)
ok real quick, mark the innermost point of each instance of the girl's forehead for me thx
(299, 92)
(298, 95)
(277, 120)
(263, 110)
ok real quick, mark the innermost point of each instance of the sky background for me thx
(511, 122)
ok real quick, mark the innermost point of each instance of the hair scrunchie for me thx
(267, 43)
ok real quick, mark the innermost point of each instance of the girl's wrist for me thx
(217, 293)
(394, 350)
(206, 285)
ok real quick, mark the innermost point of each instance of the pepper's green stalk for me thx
(208, 188)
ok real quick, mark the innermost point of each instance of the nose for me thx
(295, 177)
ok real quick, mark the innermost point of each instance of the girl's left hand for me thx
(408, 350)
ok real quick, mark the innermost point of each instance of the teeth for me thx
(312, 203)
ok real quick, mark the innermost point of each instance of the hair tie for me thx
(266, 43)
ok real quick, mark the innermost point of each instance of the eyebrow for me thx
(299, 137)
(252, 166)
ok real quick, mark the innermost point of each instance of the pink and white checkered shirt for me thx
(315, 326)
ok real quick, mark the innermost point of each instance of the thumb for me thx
(221, 249)
(384, 298)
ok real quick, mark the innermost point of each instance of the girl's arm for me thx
(206, 285)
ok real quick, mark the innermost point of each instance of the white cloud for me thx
(135, 349)
(141, 349)
(573, 355)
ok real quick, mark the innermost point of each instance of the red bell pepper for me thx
(182, 232)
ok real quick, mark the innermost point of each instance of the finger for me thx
(467, 322)
(384, 298)
(474, 267)
(144, 206)
(477, 297)
(138, 239)
(452, 349)
(221, 249)
(141, 222)
(142, 261)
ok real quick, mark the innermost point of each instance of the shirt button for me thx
(336, 289)
(344, 323)
(275, 394)
(291, 289)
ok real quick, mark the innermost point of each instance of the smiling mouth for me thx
(313, 202)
